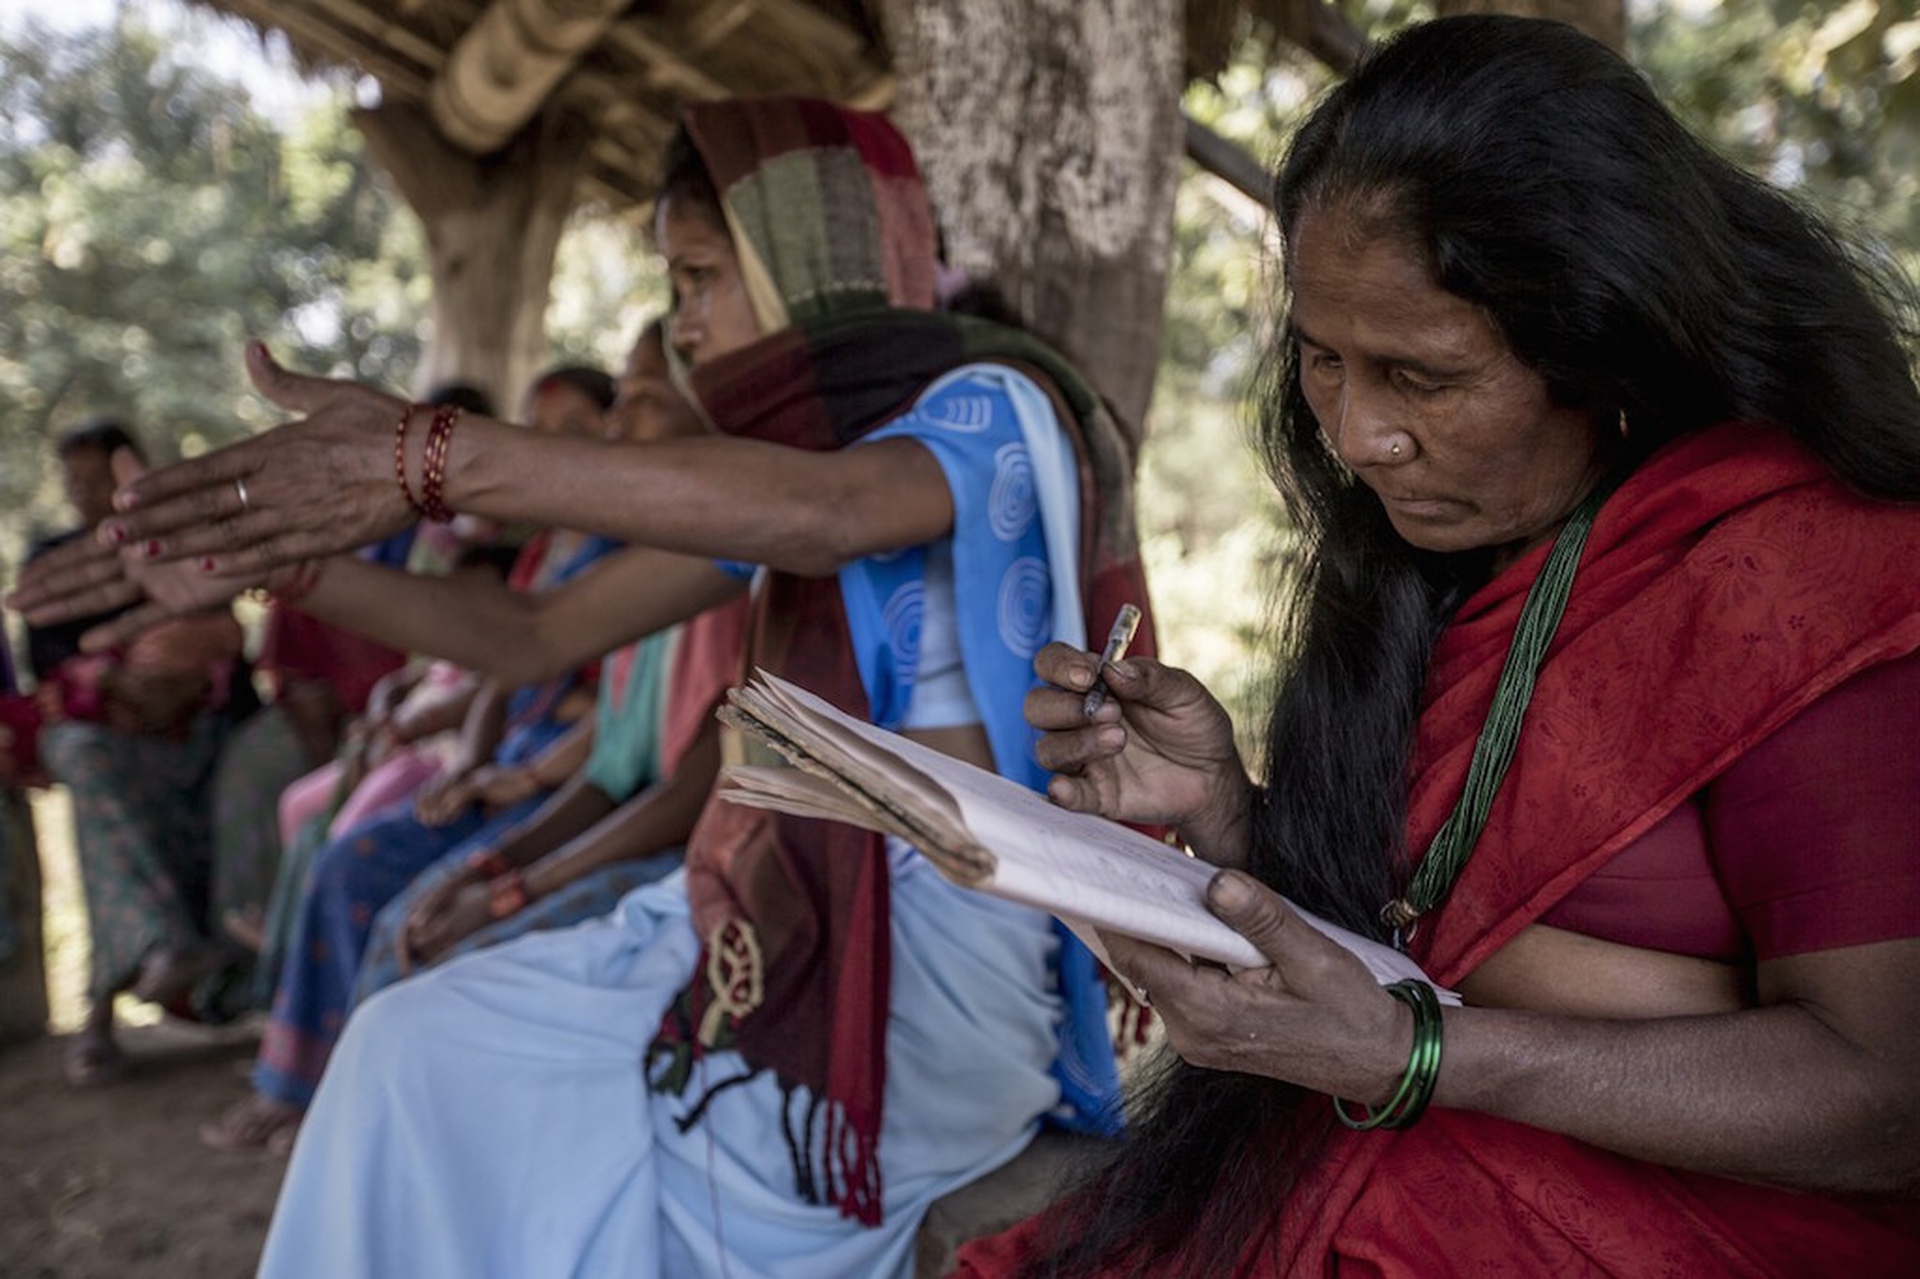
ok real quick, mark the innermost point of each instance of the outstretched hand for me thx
(312, 487)
(1158, 751)
(1314, 1017)
(88, 576)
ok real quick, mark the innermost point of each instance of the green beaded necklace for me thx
(1539, 618)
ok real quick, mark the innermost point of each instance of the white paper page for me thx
(1092, 868)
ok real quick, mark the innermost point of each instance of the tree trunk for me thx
(1050, 135)
(492, 225)
(1604, 20)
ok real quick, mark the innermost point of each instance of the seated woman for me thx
(138, 763)
(774, 1061)
(517, 745)
(1600, 698)
(619, 822)
(314, 677)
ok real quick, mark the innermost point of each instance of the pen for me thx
(1125, 623)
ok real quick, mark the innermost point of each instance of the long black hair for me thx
(1642, 276)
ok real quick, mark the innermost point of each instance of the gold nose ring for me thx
(1395, 451)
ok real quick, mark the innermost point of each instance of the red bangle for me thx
(433, 475)
(400, 456)
(306, 576)
(508, 895)
(489, 863)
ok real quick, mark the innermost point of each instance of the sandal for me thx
(254, 1124)
(91, 1062)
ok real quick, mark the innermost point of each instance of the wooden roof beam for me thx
(503, 69)
(381, 30)
(667, 70)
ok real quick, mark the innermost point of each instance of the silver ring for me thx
(240, 487)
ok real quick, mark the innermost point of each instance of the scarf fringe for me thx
(852, 1156)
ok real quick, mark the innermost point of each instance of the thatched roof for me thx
(485, 68)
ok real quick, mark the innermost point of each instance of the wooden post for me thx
(493, 223)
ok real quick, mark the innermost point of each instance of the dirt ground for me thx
(113, 1181)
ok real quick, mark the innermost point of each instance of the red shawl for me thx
(1725, 587)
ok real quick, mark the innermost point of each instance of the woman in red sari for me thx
(1671, 860)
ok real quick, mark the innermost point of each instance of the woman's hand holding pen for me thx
(1159, 750)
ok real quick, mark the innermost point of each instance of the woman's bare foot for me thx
(258, 1123)
(93, 1058)
(168, 973)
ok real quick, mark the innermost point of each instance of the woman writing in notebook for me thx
(1671, 860)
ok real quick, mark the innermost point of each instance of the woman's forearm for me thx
(715, 497)
(483, 728)
(659, 818)
(569, 811)
(1785, 1094)
(465, 620)
(565, 756)
(516, 636)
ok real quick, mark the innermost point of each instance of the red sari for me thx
(1729, 584)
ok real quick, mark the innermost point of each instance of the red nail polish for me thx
(116, 534)
(206, 563)
(152, 549)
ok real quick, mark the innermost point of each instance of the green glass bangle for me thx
(1409, 1100)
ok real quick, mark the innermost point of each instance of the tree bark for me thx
(1604, 20)
(1050, 135)
(492, 224)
